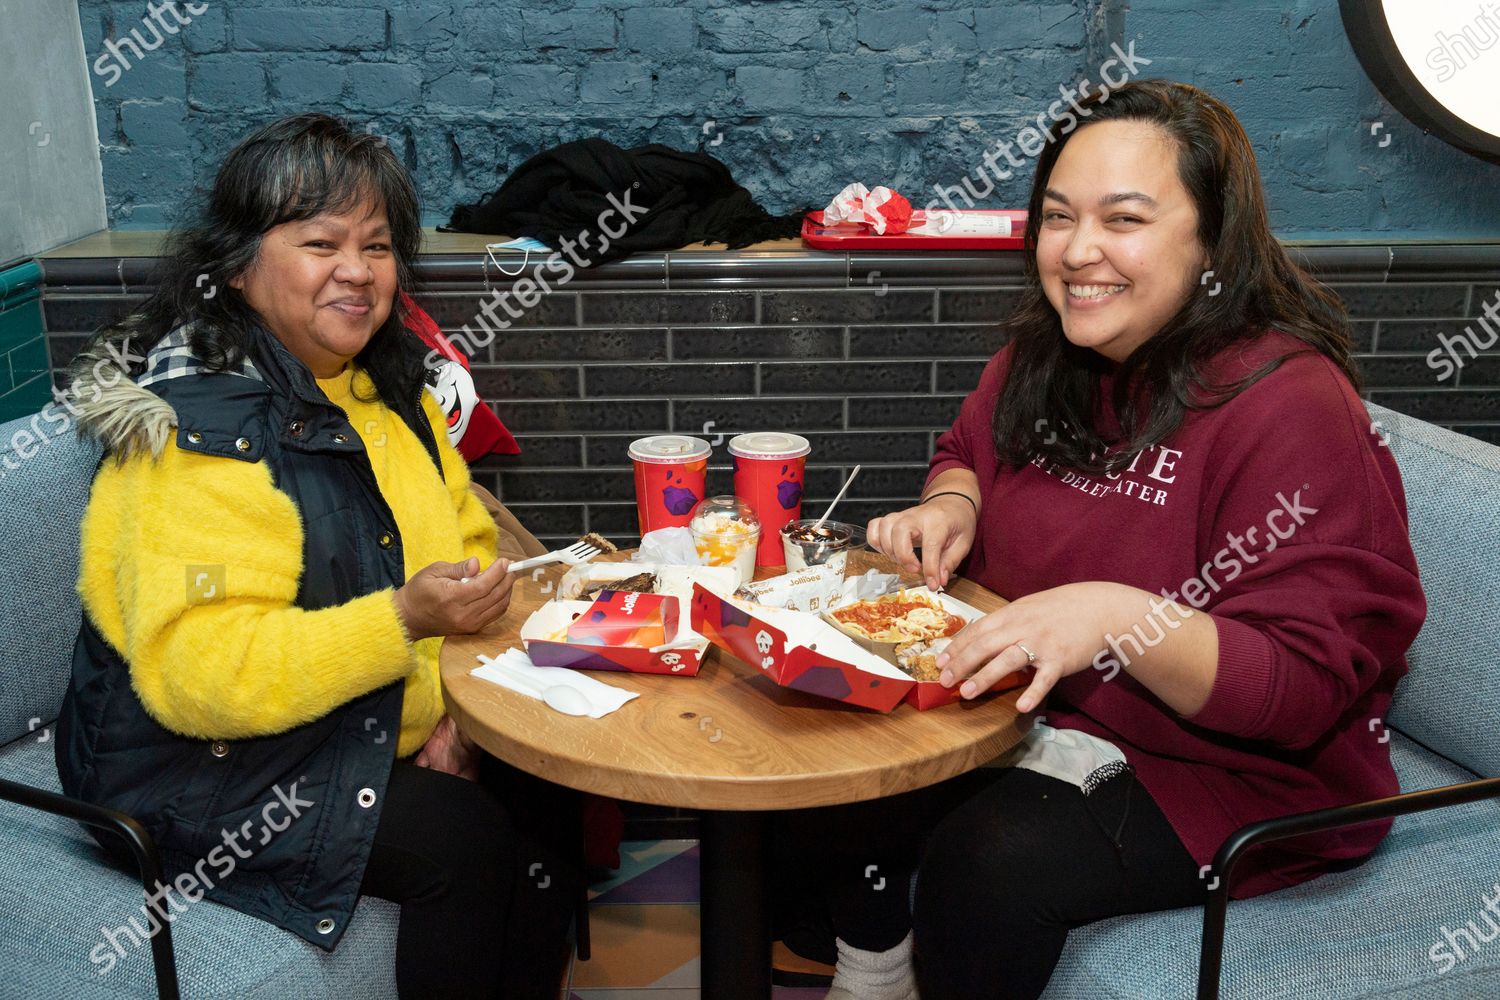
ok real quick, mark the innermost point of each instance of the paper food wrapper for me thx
(545, 636)
(815, 589)
(869, 584)
(882, 210)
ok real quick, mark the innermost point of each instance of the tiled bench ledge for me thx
(123, 261)
(869, 354)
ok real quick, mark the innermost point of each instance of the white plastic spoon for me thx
(837, 499)
(565, 699)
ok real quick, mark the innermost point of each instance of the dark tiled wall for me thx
(24, 386)
(869, 357)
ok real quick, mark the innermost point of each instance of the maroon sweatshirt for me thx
(1281, 514)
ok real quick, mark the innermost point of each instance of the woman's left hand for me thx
(450, 751)
(1065, 627)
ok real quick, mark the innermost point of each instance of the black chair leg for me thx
(581, 908)
(581, 923)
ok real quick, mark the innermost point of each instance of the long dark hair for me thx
(1052, 382)
(288, 171)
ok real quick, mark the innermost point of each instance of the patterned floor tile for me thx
(644, 930)
(672, 880)
(638, 857)
(638, 946)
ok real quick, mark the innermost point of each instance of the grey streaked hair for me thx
(288, 171)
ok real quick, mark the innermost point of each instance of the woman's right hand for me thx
(944, 528)
(454, 598)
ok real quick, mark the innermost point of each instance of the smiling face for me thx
(324, 285)
(453, 386)
(1118, 250)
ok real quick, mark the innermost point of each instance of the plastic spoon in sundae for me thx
(836, 499)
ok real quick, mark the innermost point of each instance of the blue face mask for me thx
(525, 244)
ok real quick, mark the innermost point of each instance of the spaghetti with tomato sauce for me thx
(899, 618)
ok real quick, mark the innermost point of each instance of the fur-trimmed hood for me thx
(127, 414)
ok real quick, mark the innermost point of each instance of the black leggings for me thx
(1012, 857)
(1026, 860)
(487, 875)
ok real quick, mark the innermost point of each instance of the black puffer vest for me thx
(281, 825)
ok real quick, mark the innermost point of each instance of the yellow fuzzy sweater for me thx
(247, 662)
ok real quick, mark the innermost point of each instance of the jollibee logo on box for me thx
(619, 618)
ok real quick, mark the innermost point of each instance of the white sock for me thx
(874, 975)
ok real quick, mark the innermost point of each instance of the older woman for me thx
(1171, 476)
(278, 539)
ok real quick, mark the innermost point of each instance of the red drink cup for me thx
(768, 468)
(669, 474)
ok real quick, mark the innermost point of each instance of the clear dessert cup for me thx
(726, 532)
(828, 545)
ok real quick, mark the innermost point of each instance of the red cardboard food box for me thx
(930, 694)
(545, 636)
(800, 651)
(625, 618)
(804, 652)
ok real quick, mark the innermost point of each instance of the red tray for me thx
(853, 236)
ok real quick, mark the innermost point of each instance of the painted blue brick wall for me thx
(797, 98)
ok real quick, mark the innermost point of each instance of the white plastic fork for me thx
(573, 555)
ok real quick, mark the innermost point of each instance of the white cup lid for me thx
(669, 449)
(769, 444)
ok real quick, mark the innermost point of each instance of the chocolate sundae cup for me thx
(828, 545)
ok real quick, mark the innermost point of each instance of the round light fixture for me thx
(1437, 61)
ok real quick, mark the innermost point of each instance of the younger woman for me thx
(1169, 473)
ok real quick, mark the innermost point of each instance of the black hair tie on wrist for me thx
(951, 493)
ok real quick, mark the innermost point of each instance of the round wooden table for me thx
(733, 744)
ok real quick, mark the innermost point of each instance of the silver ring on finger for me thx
(1030, 656)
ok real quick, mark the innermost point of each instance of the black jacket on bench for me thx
(650, 198)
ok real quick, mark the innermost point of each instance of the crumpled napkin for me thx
(670, 546)
(514, 671)
(883, 210)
